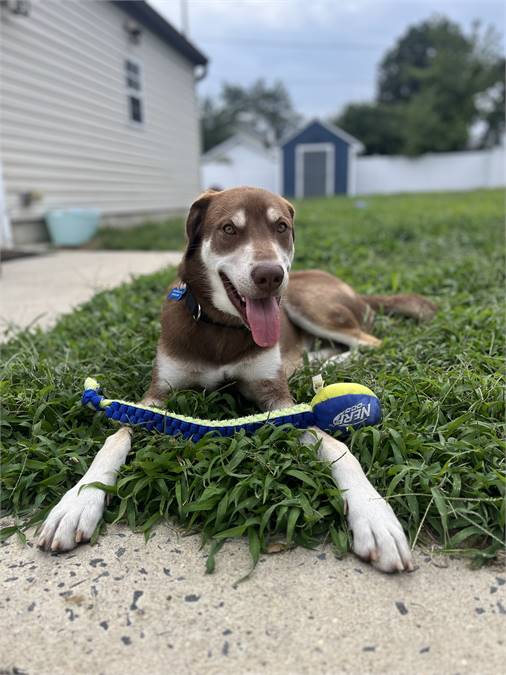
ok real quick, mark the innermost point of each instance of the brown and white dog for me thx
(248, 319)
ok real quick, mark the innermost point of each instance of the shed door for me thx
(315, 173)
(314, 170)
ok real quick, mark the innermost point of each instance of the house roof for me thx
(336, 131)
(148, 17)
(239, 138)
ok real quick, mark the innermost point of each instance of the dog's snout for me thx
(267, 277)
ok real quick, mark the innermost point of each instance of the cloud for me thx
(326, 51)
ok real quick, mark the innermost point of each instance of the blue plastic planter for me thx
(72, 227)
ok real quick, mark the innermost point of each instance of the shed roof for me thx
(148, 17)
(336, 131)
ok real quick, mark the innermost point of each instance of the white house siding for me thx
(65, 131)
(431, 172)
(242, 165)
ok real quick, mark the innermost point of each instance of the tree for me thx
(404, 68)
(266, 111)
(217, 123)
(438, 84)
(491, 107)
(377, 126)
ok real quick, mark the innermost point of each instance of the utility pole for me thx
(185, 27)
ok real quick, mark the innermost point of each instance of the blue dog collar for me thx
(183, 291)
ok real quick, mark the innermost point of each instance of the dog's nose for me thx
(267, 277)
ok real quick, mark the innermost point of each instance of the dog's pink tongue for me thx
(264, 321)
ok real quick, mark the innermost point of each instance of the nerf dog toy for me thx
(334, 408)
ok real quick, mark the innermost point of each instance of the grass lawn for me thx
(166, 236)
(437, 456)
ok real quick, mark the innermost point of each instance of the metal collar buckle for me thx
(197, 312)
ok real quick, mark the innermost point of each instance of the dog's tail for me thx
(406, 304)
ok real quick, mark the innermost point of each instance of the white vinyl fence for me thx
(431, 172)
(376, 174)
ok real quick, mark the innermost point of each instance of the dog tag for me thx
(177, 293)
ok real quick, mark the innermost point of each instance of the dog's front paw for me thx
(377, 534)
(73, 520)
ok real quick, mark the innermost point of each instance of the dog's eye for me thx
(281, 227)
(229, 229)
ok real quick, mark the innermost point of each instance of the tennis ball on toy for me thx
(339, 406)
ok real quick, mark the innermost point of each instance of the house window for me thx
(133, 82)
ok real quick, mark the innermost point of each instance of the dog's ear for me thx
(289, 207)
(195, 219)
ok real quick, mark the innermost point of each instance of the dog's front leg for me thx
(272, 394)
(75, 517)
(377, 534)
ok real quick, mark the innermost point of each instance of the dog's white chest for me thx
(177, 373)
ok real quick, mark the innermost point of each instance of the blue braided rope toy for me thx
(335, 407)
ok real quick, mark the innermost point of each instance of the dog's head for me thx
(241, 240)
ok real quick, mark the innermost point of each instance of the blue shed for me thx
(319, 160)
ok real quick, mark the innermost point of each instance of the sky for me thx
(326, 52)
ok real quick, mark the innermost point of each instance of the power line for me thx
(283, 44)
(325, 83)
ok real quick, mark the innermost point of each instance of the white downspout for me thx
(6, 239)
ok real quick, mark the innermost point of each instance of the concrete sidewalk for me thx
(35, 291)
(123, 607)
